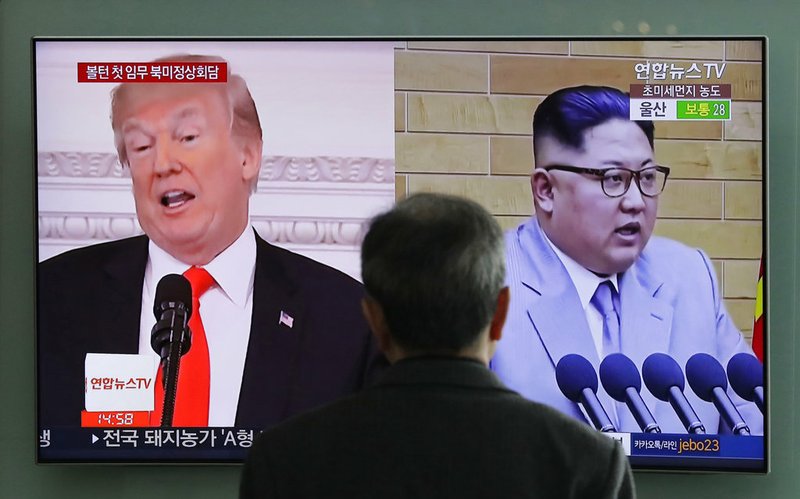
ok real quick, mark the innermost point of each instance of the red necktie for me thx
(194, 378)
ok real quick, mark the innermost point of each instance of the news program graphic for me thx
(325, 111)
(682, 98)
(464, 127)
(450, 116)
(676, 102)
(152, 72)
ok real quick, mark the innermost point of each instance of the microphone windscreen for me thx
(745, 374)
(173, 288)
(660, 373)
(705, 373)
(573, 374)
(618, 373)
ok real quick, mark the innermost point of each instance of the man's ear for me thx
(250, 158)
(500, 314)
(542, 189)
(373, 312)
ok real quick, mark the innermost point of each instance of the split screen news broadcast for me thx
(201, 205)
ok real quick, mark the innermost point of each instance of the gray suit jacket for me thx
(435, 427)
(670, 303)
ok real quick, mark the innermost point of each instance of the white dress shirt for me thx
(586, 282)
(227, 311)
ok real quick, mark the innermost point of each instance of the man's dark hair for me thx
(567, 113)
(435, 264)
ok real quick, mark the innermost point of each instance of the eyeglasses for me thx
(617, 181)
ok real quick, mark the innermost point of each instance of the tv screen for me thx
(172, 140)
(681, 383)
(547, 123)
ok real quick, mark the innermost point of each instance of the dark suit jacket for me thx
(435, 427)
(89, 300)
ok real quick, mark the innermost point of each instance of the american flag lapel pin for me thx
(286, 319)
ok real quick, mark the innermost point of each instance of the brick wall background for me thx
(463, 126)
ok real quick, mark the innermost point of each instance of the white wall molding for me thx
(80, 164)
(289, 230)
(327, 169)
(96, 165)
(316, 206)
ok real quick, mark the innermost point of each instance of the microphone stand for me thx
(171, 368)
(174, 336)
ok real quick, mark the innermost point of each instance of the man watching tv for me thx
(438, 423)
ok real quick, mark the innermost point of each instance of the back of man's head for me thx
(566, 114)
(435, 265)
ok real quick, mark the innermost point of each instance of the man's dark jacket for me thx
(436, 427)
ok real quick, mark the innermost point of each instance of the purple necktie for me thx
(603, 300)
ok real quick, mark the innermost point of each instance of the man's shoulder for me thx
(441, 399)
(662, 252)
(527, 244)
(676, 268)
(322, 424)
(404, 433)
(303, 270)
(665, 246)
(567, 442)
(95, 255)
(513, 235)
(551, 421)
(524, 244)
(380, 412)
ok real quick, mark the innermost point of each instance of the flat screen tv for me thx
(348, 126)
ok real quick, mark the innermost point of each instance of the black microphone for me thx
(746, 375)
(707, 379)
(578, 382)
(621, 380)
(170, 336)
(664, 378)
